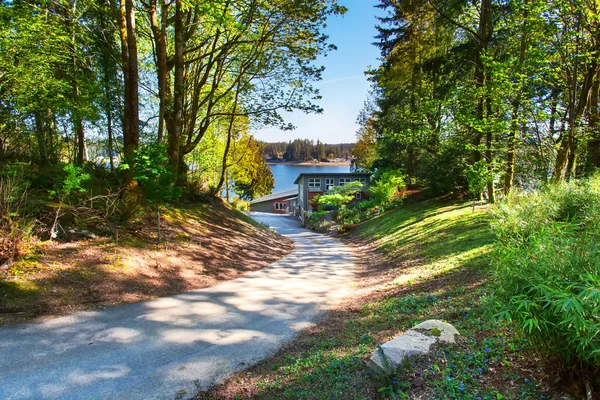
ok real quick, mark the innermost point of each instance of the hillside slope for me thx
(200, 246)
(422, 261)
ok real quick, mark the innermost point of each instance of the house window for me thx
(344, 181)
(281, 206)
(314, 182)
(358, 196)
(362, 181)
(329, 183)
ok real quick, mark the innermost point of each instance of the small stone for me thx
(414, 342)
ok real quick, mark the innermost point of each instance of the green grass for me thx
(436, 237)
(440, 254)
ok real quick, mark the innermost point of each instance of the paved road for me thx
(173, 346)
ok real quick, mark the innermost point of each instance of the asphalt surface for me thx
(174, 346)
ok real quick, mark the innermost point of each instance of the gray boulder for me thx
(414, 342)
(76, 234)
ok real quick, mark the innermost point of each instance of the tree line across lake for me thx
(306, 150)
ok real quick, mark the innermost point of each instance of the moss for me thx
(18, 294)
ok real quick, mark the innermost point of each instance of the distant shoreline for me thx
(310, 163)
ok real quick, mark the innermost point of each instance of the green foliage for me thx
(386, 185)
(338, 196)
(478, 176)
(250, 172)
(70, 182)
(547, 266)
(318, 222)
(240, 204)
(154, 174)
(348, 216)
(15, 225)
(465, 83)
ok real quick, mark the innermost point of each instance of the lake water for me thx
(286, 174)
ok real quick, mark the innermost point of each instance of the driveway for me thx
(172, 347)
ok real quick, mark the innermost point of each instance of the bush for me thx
(240, 204)
(340, 195)
(15, 226)
(386, 186)
(348, 216)
(547, 265)
(318, 222)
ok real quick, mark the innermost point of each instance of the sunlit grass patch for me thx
(16, 294)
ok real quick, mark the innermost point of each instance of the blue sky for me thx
(344, 86)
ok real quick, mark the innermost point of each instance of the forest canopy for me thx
(499, 92)
(180, 82)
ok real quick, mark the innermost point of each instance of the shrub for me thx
(386, 186)
(71, 182)
(348, 216)
(547, 265)
(318, 222)
(340, 195)
(15, 227)
(240, 204)
(478, 177)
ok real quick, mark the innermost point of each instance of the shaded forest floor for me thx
(200, 246)
(427, 260)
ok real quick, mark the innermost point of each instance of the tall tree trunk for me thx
(122, 14)
(107, 70)
(579, 97)
(483, 39)
(561, 156)
(53, 136)
(81, 147)
(77, 117)
(571, 159)
(178, 98)
(159, 35)
(593, 158)
(512, 145)
(228, 143)
(482, 78)
(516, 105)
(132, 137)
(110, 139)
(488, 154)
(131, 125)
(40, 134)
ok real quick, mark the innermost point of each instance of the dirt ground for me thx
(200, 246)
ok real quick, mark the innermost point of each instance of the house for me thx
(312, 184)
(277, 203)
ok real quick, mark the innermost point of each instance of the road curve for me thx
(173, 346)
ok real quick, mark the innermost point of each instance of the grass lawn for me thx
(201, 245)
(422, 261)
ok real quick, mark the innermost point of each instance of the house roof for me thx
(330, 174)
(274, 196)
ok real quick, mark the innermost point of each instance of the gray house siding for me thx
(265, 206)
(326, 180)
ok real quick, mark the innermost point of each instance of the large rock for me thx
(76, 234)
(414, 342)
